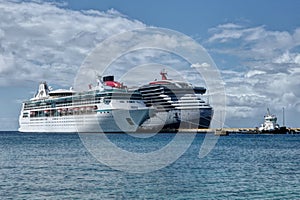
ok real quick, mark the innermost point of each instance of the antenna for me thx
(283, 117)
(268, 110)
(221, 118)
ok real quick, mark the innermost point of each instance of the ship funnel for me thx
(43, 91)
(163, 74)
(108, 78)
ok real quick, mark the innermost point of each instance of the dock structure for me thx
(227, 131)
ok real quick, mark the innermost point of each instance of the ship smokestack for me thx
(163, 74)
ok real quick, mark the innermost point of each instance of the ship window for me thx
(129, 121)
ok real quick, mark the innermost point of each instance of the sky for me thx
(254, 43)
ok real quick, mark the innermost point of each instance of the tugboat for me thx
(270, 125)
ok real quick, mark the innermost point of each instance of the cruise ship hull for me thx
(178, 119)
(108, 122)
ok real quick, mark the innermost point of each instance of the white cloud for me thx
(225, 35)
(250, 74)
(42, 41)
(257, 40)
(268, 75)
(288, 58)
(205, 65)
(229, 26)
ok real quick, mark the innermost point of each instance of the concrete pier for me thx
(227, 131)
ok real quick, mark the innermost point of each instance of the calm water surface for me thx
(57, 166)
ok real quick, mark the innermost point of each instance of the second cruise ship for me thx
(176, 104)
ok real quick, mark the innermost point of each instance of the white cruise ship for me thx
(107, 107)
(177, 104)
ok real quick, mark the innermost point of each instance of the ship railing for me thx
(62, 105)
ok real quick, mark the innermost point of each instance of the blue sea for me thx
(58, 166)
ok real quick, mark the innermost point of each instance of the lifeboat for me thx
(70, 111)
(32, 114)
(64, 111)
(89, 108)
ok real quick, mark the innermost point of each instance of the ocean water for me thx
(58, 166)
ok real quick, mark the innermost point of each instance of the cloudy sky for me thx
(255, 44)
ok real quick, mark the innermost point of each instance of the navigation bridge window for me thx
(62, 112)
